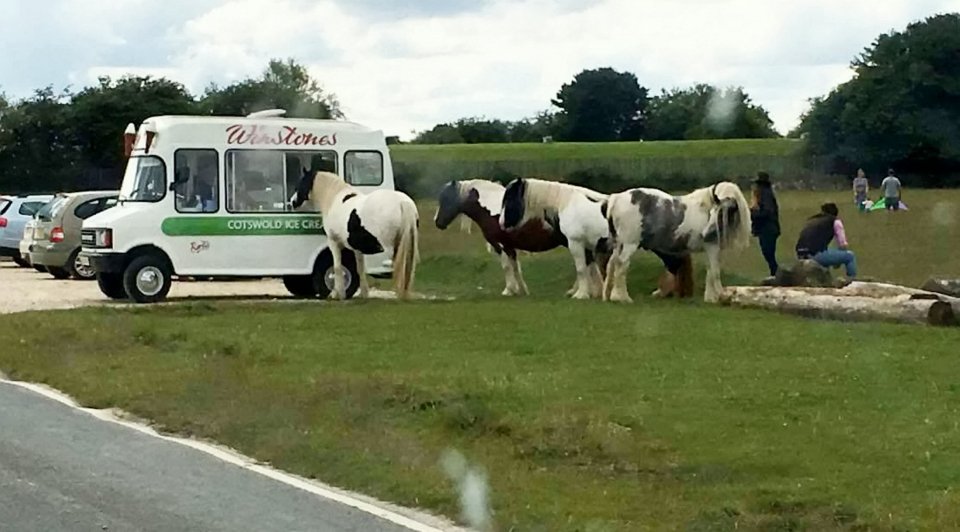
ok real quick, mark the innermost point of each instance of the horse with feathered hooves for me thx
(365, 223)
(711, 219)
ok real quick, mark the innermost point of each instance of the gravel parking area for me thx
(23, 289)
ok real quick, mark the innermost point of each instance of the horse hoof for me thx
(580, 295)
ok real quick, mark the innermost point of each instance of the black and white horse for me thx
(711, 219)
(365, 223)
(561, 214)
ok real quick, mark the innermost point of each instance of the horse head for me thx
(449, 204)
(512, 209)
(729, 219)
(304, 187)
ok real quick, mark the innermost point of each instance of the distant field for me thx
(594, 150)
(672, 165)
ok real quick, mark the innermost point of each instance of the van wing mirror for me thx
(179, 178)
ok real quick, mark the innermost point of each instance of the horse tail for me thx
(741, 235)
(407, 254)
(607, 208)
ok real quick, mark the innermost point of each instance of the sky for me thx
(404, 66)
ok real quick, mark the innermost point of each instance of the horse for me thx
(710, 219)
(572, 215)
(365, 223)
(480, 200)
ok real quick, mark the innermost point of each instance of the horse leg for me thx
(518, 281)
(714, 287)
(339, 290)
(618, 281)
(362, 272)
(510, 279)
(611, 274)
(580, 261)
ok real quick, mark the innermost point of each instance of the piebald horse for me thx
(365, 223)
(711, 219)
(572, 215)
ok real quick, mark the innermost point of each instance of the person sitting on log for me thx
(816, 235)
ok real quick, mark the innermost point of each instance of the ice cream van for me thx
(209, 196)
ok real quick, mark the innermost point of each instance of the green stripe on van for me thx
(242, 225)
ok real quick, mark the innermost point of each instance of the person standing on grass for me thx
(765, 218)
(816, 235)
(861, 189)
(891, 188)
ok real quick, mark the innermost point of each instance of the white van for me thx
(209, 196)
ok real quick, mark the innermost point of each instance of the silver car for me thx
(15, 212)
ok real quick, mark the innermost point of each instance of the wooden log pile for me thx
(858, 301)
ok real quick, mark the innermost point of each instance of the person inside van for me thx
(206, 188)
(817, 234)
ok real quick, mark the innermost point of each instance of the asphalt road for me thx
(62, 469)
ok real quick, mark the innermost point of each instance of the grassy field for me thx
(421, 169)
(594, 150)
(661, 415)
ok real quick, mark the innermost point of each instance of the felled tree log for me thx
(950, 287)
(835, 304)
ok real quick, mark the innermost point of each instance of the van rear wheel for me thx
(323, 274)
(111, 284)
(147, 279)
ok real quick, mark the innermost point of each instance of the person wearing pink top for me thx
(816, 235)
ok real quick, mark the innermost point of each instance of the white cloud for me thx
(402, 68)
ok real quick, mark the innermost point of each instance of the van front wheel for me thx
(111, 284)
(147, 279)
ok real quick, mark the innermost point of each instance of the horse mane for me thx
(740, 235)
(544, 195)
(326, 186)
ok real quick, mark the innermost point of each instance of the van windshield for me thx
(145, 179)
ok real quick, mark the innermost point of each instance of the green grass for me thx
(661, 415)
(593, 150)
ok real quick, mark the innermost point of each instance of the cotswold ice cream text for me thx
(267, 224)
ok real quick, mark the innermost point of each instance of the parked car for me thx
(27, 239)
(15, 212)
(56, 237)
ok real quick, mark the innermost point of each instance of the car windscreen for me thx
(29, 208)
(48, 211)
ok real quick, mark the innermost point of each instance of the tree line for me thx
(604, 105)
(901, 109)
(68, 140)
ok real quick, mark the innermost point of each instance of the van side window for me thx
(264, 181)
(363, 168)
(196, 180)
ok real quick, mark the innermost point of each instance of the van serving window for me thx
(264, 180)
(196, 180)
(363, 168)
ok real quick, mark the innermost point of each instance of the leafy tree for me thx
(284, 85)
(534, 129)
(467, 131)
(706, 112)
(902, 107)
(601, 105)
(99, 114)
(36, 146)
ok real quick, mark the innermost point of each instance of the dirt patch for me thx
(24, 289)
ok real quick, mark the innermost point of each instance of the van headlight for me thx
(97, 238)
